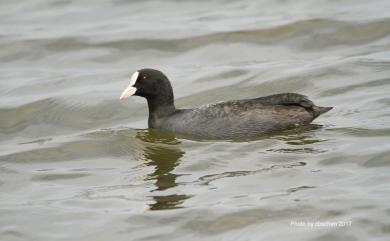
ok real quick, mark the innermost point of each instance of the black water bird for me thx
(223, 120)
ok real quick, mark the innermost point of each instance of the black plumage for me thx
(224, 120)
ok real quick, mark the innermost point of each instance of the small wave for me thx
(59, 176)
(97, 144)
(309, 34)
(207, 179)
(353, 87)
(49, 115)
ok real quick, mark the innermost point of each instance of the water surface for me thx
(78, 164)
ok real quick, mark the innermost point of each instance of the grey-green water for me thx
(78, 164)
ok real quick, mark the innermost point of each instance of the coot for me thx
(223, 120)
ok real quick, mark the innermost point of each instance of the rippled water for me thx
(78, 164)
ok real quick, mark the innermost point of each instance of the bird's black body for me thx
(224, 120)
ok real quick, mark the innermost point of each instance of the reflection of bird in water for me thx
(161, 151)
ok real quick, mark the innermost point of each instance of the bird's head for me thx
(148, 83)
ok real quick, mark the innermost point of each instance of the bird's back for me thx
(244, 118)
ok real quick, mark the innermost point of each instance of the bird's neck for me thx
(159, 107)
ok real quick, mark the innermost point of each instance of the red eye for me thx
(145, 77)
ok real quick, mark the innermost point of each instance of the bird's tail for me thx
(318, 110)
(324, 109)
